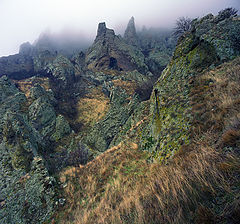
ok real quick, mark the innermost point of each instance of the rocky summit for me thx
(112, 52)
(136, 129)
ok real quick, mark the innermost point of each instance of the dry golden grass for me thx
(119, 186)
(215, 97)
(230, 137)
(129, 86)
(26, 84)
(92, 107)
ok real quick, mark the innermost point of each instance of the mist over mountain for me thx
(66, 42)
(24, 20)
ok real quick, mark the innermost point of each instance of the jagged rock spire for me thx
(130, 34)
(104, 32)
(101, 29)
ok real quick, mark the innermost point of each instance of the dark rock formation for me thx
(111, 52)
(41, 59)
(130, 34)
(27, 63)
(43, 117)
(17, 66)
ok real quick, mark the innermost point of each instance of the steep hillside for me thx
(177, 157)
(199, 185)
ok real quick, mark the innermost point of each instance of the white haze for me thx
(24, 20)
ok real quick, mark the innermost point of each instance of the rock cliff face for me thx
(171, 123)
(29, 62)
(111, 52)
(172, 120)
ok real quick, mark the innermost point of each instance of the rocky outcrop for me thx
(223, 35)
(62, 72)
(157, 46)
(62, 128)
(43, 117)
(29, 62)
(27, 193)
(210, 43)
(104, 131)
(78, 60)
(111, 52)
(130, 34)
(41, 60)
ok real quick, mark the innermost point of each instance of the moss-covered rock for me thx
(223, 35)
(28, 197)
(42, 116)
(62, 128)
(209, 43)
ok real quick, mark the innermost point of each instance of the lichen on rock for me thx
(208, 44)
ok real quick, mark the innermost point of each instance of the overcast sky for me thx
(24, 20)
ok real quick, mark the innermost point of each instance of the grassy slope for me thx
(199, 185)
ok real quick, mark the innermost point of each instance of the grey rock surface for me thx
(27, 194)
